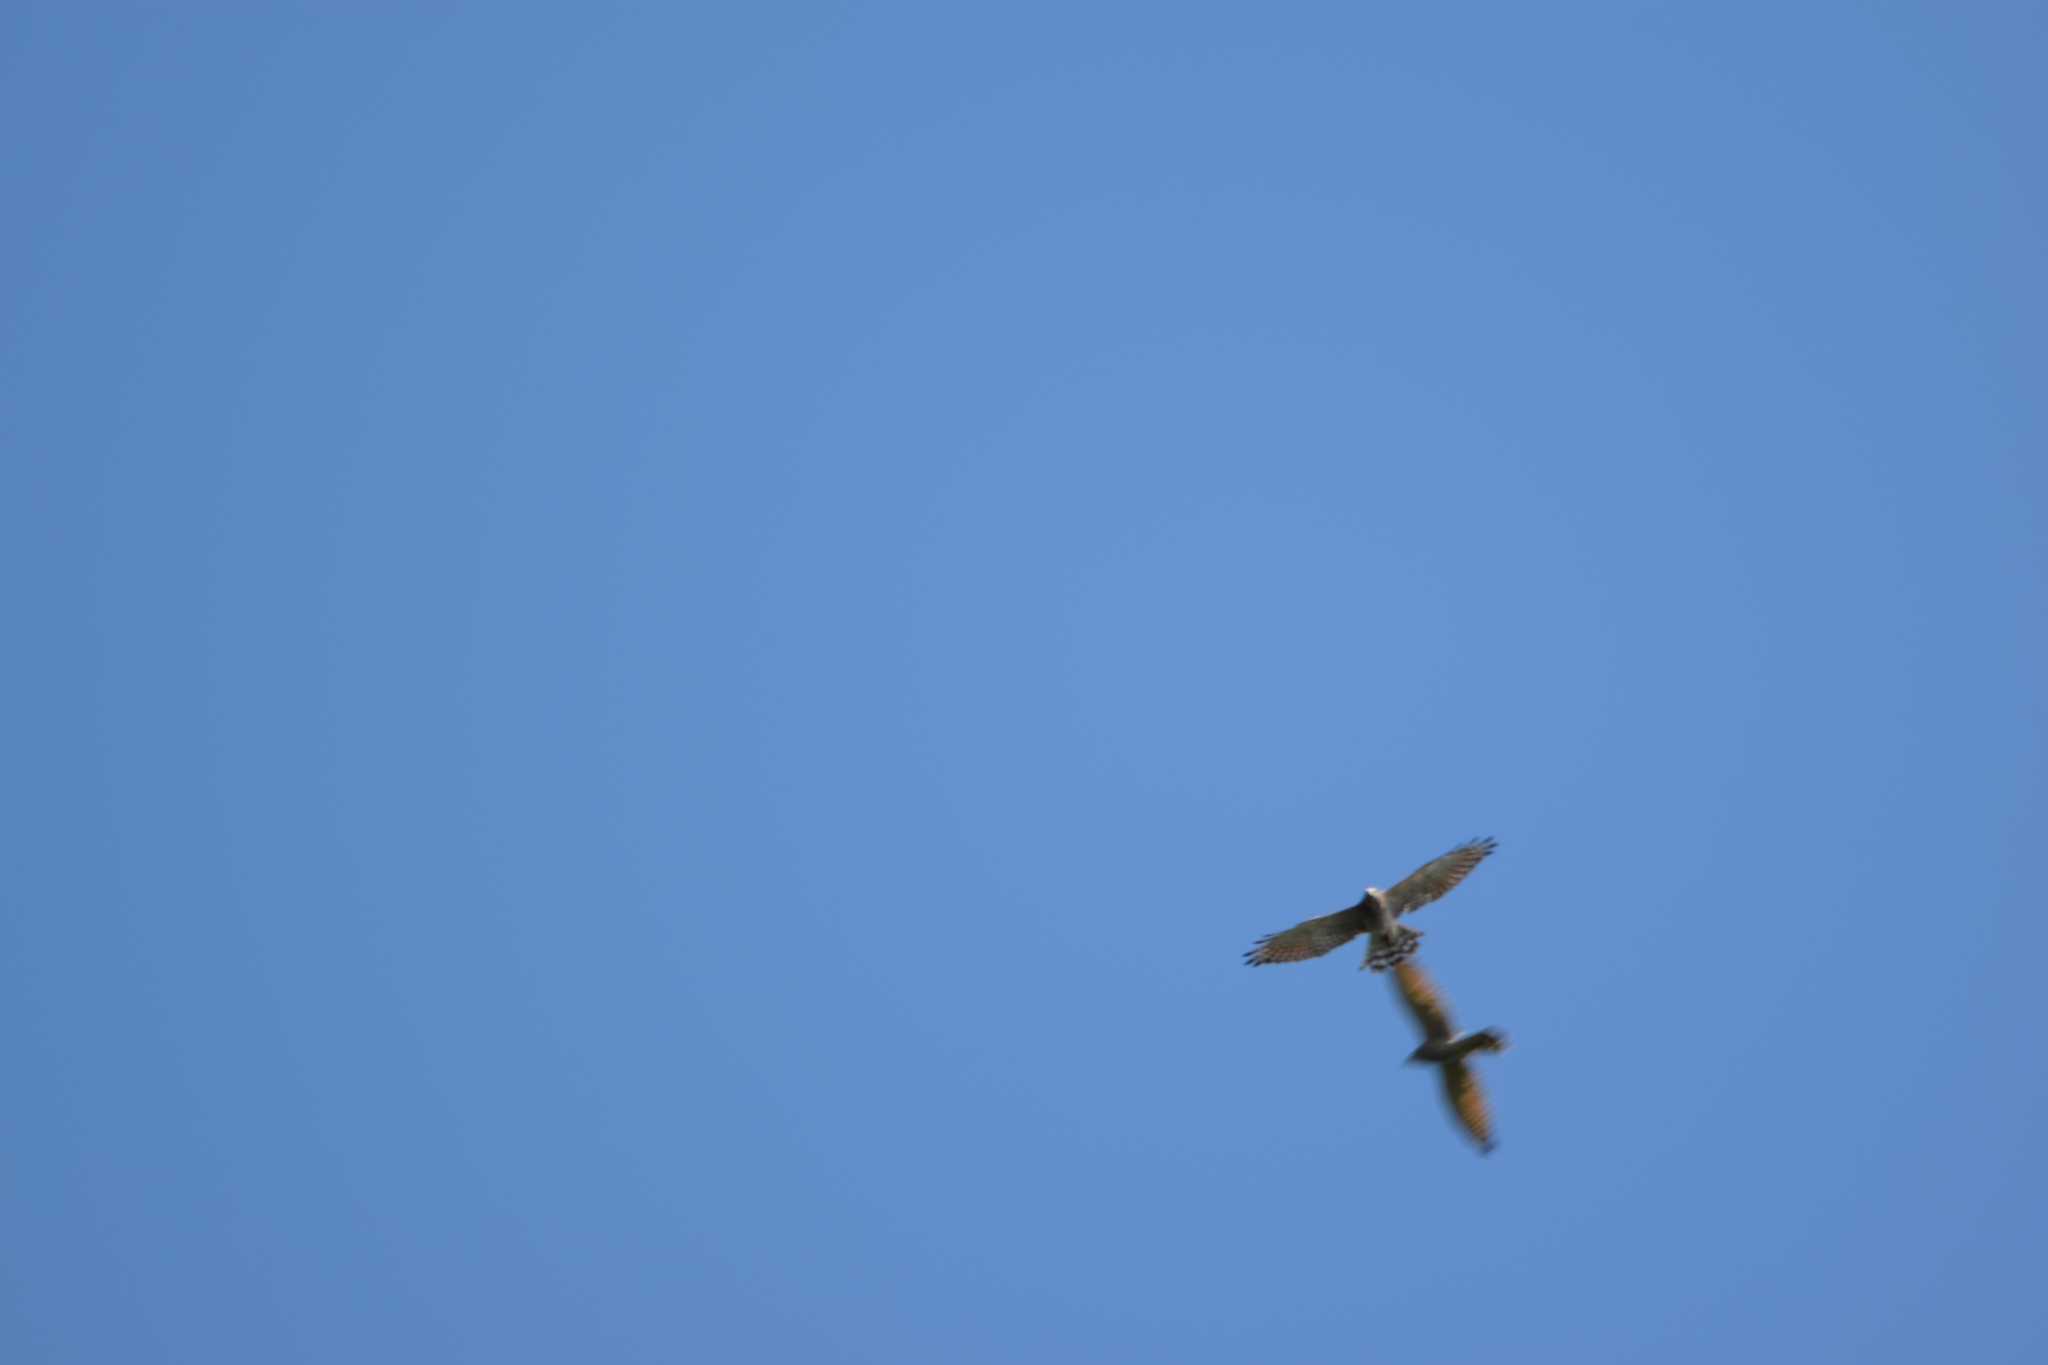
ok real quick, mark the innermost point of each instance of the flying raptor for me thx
(1445, 1046)
(1375, 914)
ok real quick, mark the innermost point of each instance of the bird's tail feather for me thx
(1395, 943)
(1484, 1040)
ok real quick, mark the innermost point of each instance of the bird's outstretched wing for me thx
(1436, 877)
(1310, 938)
(1468, 1102)
(1423, 999)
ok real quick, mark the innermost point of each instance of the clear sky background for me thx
(661, 658)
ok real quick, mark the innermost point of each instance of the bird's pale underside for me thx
(1443, 1045)
(1376, 914)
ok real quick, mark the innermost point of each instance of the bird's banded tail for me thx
(1395, 943)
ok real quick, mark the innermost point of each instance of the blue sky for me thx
(664, 655)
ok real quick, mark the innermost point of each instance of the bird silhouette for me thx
(1443, 1045)
(1375, 914)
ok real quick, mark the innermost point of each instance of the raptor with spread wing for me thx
(1375, 914)
(1445, 1046)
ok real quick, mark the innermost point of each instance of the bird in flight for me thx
(1445, 1046)
(1375, 914)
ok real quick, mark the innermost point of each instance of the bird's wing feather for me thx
(1310, 938)
(1424, 1001)
(1468, 1102)
(1436, 877)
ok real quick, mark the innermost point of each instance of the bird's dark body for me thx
(1450, 1049)
(1377, 917)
